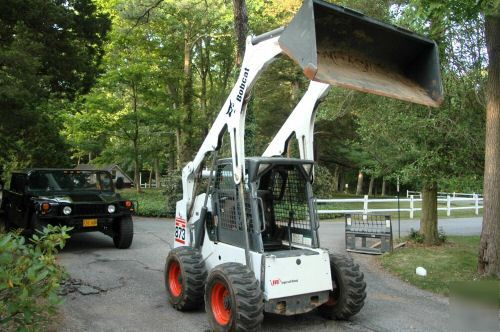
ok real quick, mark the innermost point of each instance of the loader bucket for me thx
(339, 46)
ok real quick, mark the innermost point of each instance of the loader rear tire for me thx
(348, 295)
(185, 276)
(233, 299)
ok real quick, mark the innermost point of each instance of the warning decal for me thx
(180, 230)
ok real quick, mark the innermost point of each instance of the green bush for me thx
(172, 191)
(416, 236)
(149, 202)
(154, 202)
(30, 278)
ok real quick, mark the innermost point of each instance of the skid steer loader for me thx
(250, 244)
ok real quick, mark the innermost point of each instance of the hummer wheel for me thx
(123, 232)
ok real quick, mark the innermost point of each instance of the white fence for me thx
(442, 194)
(475, 204)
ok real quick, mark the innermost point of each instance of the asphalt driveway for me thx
(122, 290)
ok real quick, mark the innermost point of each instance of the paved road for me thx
(122, 290)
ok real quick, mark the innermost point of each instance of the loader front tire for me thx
(348, 295)
(233, 299)
(185, 276)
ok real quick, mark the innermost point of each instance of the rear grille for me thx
(89, 209)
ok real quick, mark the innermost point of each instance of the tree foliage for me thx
(49, 52)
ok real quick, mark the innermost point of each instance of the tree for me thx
(49, 52)
(240, 28)
(426, 146)
(489, 250)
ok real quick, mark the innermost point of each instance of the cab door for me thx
(16, 206)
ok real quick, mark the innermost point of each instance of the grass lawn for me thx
(455, 261)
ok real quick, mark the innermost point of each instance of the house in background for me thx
(115, 171)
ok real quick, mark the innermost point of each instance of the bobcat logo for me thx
(230, 109)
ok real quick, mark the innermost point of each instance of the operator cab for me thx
(279, 206)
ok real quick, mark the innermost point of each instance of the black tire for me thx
(123, 232)
(36, 225)
(6, 220)
(233, 299)
(185, 275)
(348, 296)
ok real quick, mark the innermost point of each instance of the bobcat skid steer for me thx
(250, 244)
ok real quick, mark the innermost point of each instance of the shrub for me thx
(172, 190)
(442, 235)
(416, 236)
(29, 278)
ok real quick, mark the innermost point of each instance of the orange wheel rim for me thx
(175, 279)
(220, 300)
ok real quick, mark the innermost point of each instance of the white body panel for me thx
(218, 253)
(284, 277)
(181, 237)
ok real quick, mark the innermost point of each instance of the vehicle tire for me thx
(6, 221)
(185, 276)
(348, 296)
(36, 226)
(233, 299)
(123, 232)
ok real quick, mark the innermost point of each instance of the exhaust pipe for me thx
(339, 46)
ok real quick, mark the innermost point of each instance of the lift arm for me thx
(260, 52)
(301, 123)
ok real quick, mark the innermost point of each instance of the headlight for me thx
(67, 210)
(111, 208)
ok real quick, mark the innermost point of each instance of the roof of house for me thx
(109, 168)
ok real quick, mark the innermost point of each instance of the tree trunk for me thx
(137, 180)
(359, 187)
(187, 95)
(429, 218)
(489, 247)
(178, 144)
(336, 175)
(370, 187)
(157, 172)
(383, 186)
(135, 138)
(342, 183)
(240, 28)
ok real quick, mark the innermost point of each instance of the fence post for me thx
(407, 193)
(448, 204)
(454, 194)
(411, 206)
(365, 205)
(476, 198)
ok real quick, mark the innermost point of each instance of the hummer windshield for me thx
(69, 180)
